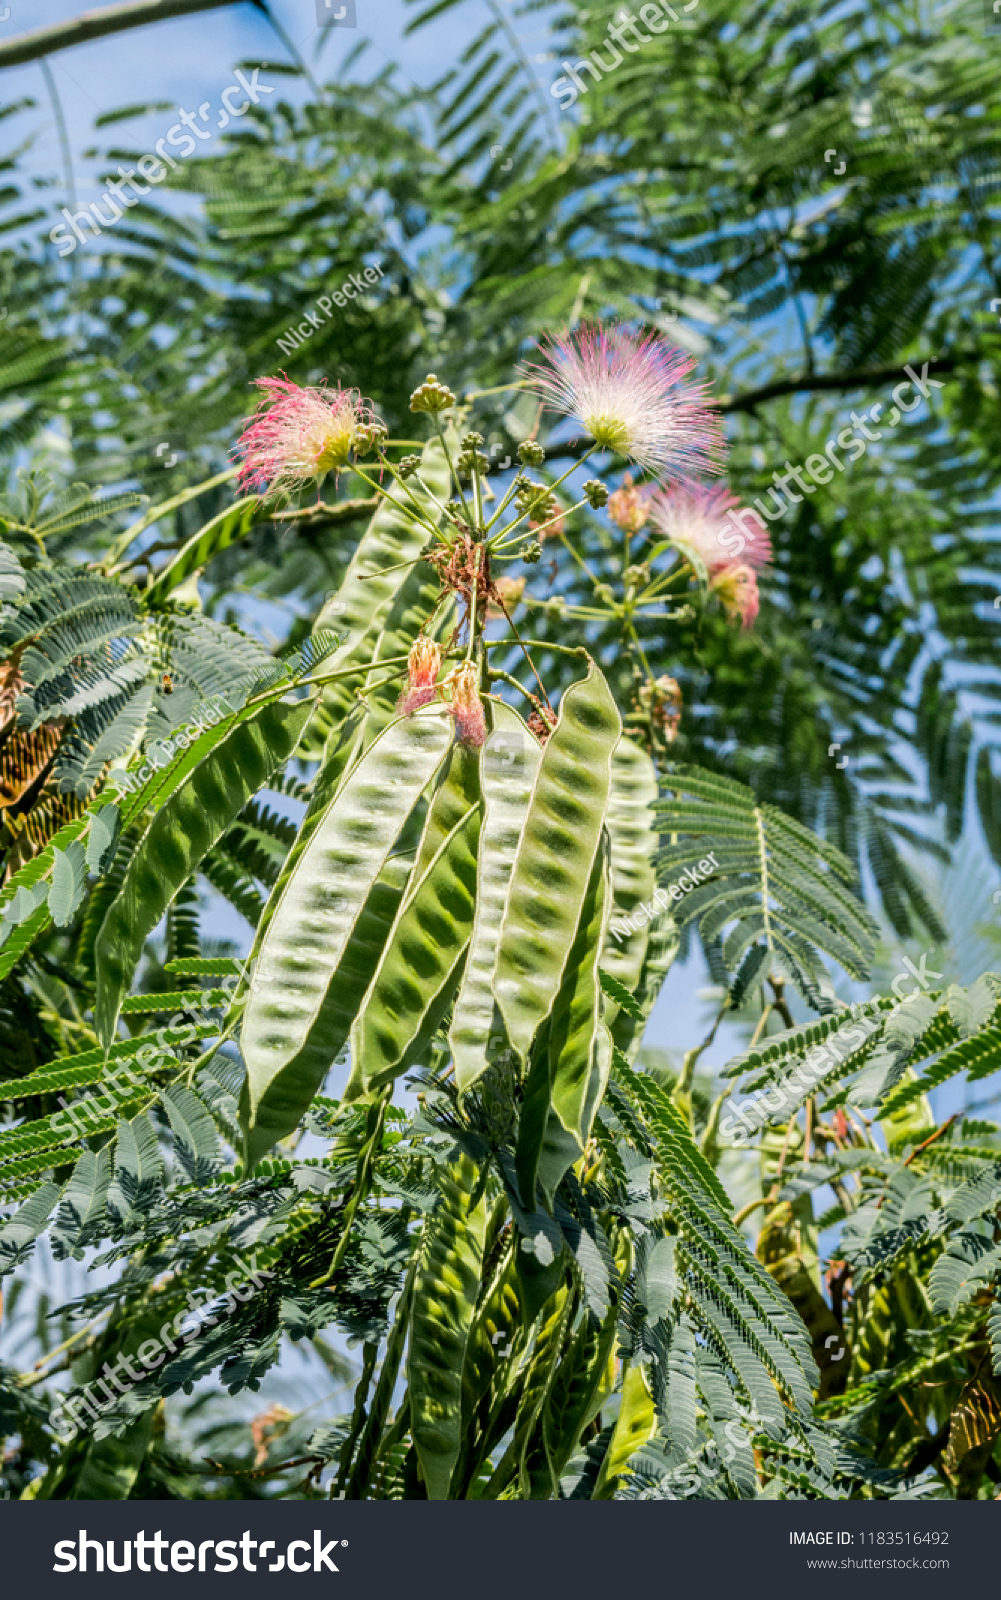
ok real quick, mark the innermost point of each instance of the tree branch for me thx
(322, 513)
(96, 24)
(807, 382)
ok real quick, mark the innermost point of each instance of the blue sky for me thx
(187, 60)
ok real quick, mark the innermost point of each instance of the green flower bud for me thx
(370, 436)
(470, 461)
(432, 396)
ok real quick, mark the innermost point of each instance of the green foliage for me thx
(789, 895)
(541, 1263)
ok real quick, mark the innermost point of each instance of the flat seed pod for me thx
(444, 1299)
(309, 934)
(509, 762)
(535, 1476)
(456, 792)
(342, 752)
(558, 846)
(533, 1122)
(633, 839)
(576, 1013)
(413, 982)
(288, 1095)
(183, 831)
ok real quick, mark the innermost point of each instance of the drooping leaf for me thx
(17, 1236)
(620, 995)
(69, 881)
(196, 1142)
(81, 1208)
(105, 827)
(197, 813)
(763, 875)
(138, 1167)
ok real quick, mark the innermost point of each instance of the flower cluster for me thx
(423, 666)
(691, 520)
(465, 705)
(629, 506)
(632, 395)
(298, 435)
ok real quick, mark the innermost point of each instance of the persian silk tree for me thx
(535, 1254)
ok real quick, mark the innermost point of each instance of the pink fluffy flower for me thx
(423, 665)
(298, 434)
(697, 520)
(627, 391)
(466, 706)
(737, 588)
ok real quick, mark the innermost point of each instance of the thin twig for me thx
(931, 1138)
(340, 511)
(524, 648)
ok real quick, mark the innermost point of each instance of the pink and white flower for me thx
(423, 666)
(466, 706)
(628, 392)
(737, 588)
(694, 520)
(297, 435)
